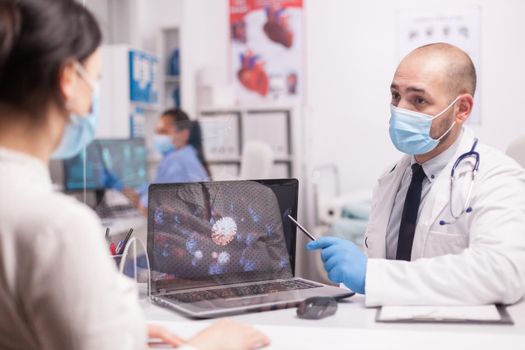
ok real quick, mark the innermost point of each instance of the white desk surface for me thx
(353, 327)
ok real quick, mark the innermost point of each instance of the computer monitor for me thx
(125, 159)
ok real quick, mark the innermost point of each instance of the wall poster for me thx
(267, 51)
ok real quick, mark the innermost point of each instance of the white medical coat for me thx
(479, 259)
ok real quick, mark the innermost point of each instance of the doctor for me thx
(431, 240)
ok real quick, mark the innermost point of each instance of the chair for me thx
(256, 161)
(516, 150)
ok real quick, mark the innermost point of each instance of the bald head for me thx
(438, 80)
(456, 70)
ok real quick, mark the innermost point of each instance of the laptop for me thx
(228, 247)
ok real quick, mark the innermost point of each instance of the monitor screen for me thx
(212, 233)
(124, 159)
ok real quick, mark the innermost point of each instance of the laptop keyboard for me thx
(241, 291)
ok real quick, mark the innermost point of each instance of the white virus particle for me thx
(223, 231)
(198, 255)
(224, 258)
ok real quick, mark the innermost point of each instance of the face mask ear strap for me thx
(446, 132)
(446, 109)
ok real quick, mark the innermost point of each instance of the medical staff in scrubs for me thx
(179, 141)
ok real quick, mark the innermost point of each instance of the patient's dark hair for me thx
(37, 39)
(182, 122)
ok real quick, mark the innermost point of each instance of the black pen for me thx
(312, 237)
(107, 234)
(125, 241)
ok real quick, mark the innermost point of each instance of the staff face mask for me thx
(163, 144)
(410, 130)
(80, 130)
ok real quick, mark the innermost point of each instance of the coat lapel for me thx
(386, 191)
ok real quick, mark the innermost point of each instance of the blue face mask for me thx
(163, 144)
(80, 130)
(410, 130)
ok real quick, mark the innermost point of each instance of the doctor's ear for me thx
(464, 108)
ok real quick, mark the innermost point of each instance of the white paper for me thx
(471, 313)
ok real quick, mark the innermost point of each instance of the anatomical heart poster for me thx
(267, 51)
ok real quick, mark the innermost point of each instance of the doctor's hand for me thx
(343, 262)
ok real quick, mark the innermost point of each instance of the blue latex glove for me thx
(343, 262)
(112, 181)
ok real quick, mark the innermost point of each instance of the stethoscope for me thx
(466, 206)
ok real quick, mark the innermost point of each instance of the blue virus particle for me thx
(283, 263)
(239, 237)
(166, 250)
(185, 232)
(232, 208)
(223, 258)
(243, 259)
(286, 213)
(191, 244)
(250, 238)
(269, 230)
(215, 269)
(249, 265)
(176, 220)
(212, 221)
(197, 257)
(159, 216)
(255, 217)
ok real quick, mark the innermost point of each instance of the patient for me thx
(60, 288)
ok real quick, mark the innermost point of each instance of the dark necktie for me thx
(409, 216)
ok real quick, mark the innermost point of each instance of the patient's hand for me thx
(167, 337)
(229, 335)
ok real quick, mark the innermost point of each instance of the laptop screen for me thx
(214, 233)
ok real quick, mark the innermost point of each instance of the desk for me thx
(353, 327)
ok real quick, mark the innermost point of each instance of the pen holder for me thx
(134, 263)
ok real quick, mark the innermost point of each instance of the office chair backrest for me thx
(516, 150)
(256, 161)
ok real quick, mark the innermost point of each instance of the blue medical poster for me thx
(143, 77)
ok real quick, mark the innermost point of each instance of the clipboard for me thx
(505, 319)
